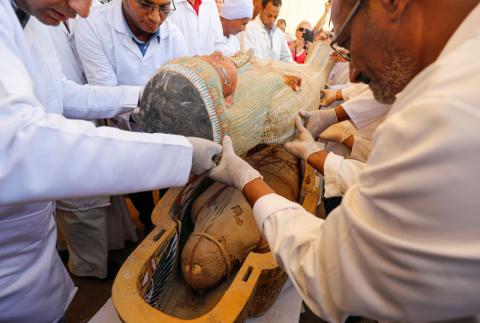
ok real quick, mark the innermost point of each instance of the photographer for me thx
(303, 42)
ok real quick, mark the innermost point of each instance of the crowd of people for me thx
(394, 139)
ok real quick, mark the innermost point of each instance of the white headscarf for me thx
(237, 9)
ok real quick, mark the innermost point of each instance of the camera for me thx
(307, 36)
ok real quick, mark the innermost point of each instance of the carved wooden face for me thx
(227, 71)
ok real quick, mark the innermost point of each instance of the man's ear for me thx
(395, 8)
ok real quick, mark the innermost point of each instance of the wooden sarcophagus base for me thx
(206, 261)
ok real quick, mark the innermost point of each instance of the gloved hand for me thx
(327, 97)
(203, 153)
(232, 169)
(336, 133)
(318, 121)
(304, 145)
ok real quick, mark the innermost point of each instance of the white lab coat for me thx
(203, 33)
(361, 106)
(89, 226)
(64, 42)
(38, 150)
(110, 57)
(403, 245)
(232, 45)
(257, 37)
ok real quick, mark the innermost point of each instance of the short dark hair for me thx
(276, 3)
(282, 20)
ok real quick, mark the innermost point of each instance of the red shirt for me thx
(196, 6)
(299, 58)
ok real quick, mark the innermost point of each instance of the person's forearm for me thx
(256, 189)
(341, 114)
(349, 142)
(317, 160)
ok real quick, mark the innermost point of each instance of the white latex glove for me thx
(327, 97)
(336, 133)
(232, 169)
(304, 145)
(203, 153)
(318, 121)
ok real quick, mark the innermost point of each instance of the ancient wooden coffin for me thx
(150, 286)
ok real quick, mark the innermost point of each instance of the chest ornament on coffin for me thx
(225, 231)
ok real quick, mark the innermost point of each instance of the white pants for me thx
(89, 234)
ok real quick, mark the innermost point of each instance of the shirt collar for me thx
(22, 16)
(260, 23)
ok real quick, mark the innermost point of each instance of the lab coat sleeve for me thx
(286, 53)
(351, 90)
(248, 39)
(89, 102)
(361, 148)
(339, 174)
(364, 109)
(179, 42)
(97, 67)
(401, 246)
(45, 156)
(220, 43)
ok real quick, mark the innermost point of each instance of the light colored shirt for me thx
(203, 32)
(361, 106)
(44, 157)
(232, 45)
(111, 57)
(404, 243)
(267, 44)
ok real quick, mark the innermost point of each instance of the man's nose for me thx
(155, 16)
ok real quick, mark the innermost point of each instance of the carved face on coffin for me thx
(196, 85)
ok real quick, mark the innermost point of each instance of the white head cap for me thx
(237, 9)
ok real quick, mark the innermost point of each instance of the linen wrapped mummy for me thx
(225, 229)
(255, 101)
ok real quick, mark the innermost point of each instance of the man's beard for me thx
(399, 70)
(398, 67)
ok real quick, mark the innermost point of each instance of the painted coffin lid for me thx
(255, 101)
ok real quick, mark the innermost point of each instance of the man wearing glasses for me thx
(123, 43)
(266, 39)
(403, 245)
(126, 41)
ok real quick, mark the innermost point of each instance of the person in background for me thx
(124, 43)
(219, 4)
(199, 23)
(264, 37)
(301, 47)
(282, 24)
(403, 244)
(256, 8)
(235, 16)
(46, 157)
(82, 223)
(319, 32)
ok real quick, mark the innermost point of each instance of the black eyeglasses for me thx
(301, 29)
(165, 9)
(344, 51)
